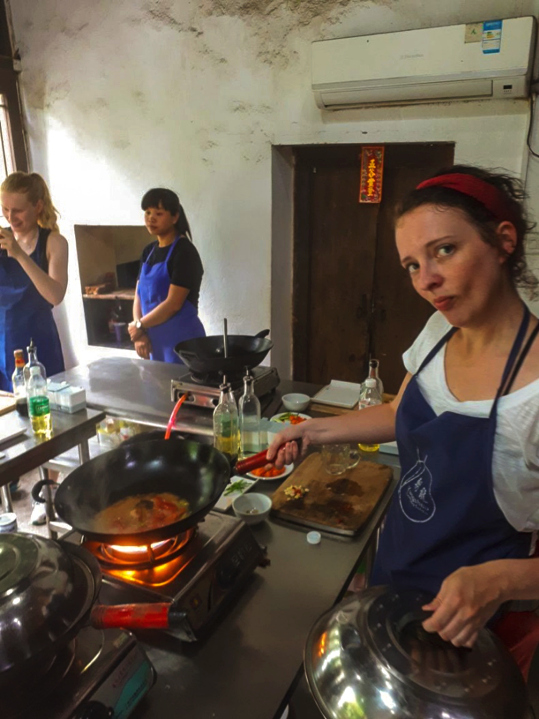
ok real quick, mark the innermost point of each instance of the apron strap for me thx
(515, 349)
(521, 359)
(437, 347)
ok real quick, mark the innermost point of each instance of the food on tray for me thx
(142, 512)
(292, 417)
(268, 472)
(295, 491)
(239, 486)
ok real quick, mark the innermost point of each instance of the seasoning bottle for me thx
(19, 384)
(374, 365)
(249, 418)
(33, 362)
(226, 435)
(39, 409)
(369, 397)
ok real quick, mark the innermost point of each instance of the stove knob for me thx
(226, 575)
(93, 710)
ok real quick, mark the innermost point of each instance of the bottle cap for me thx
(314, 537)
(370, 382)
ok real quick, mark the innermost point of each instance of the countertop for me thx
(251, 663)
(139, 390)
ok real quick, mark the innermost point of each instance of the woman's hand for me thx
(143, 347)
(135, 333)
(466, 601)
(9, 243)
(289, 450)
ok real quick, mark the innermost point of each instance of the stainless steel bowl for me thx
(369, 658)
(43, 593)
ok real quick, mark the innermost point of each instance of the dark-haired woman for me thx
(165, 310)
(461, 524)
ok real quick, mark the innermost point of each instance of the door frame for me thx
(303, 156)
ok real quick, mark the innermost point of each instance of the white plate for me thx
(287, 469)
(283, 416)
(339, 394)
(229, 495)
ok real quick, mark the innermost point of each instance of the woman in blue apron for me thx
(463, 517)
(33, 273)
(165, 310)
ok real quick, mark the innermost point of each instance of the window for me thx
(7, 155)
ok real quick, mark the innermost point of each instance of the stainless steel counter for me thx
(251, 662)
(139, 390)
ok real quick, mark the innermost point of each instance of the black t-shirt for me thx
(184, 265)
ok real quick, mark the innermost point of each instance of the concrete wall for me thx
(122, 95)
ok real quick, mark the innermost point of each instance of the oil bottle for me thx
(19, 384)
(369, 397)
(249, 418)
(226, 434)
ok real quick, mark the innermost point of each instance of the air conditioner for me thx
(479, 60)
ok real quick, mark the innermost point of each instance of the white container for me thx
(8, 522)
(252, 508)
(296, 402)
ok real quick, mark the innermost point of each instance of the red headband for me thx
(485, 193)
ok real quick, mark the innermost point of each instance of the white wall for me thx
(122, 95)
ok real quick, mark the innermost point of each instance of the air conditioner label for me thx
(492, 37)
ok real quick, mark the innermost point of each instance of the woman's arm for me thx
(163, 312)
(469, 597)
(52, 285)
(371, 425)
(137, 311)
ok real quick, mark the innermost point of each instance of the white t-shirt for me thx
(515, 464)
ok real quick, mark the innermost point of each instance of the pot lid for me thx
(370, 657)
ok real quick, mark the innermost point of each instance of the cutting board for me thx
(335, 503)
(7, 402)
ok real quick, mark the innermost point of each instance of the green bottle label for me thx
(38, 406)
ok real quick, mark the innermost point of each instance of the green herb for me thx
(239, 486)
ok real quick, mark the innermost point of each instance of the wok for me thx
(205, 355)
(196, 473)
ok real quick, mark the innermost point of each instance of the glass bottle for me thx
(33, 362)
(38, 403)
(249, 417)
(374, 365)
(369, 397)
(19, 384)
(226, 435)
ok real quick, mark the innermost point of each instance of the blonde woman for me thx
(33, 273)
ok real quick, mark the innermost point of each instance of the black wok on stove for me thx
(194, 472)
(206, 355)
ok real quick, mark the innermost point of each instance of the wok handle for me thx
(262, 334)
(38, 486)
(136, 616)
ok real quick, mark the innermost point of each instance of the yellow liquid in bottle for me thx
(42, 425)
(369, 447)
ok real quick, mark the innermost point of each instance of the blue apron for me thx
(25, 314)
(153, 287)
(444, 514)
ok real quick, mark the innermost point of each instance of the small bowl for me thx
(295, 402)
(252, 507)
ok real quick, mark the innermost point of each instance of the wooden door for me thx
(352, 299)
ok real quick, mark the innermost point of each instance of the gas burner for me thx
(19, 699)
(203, 390)
(115, 556)
(96, 669)
(204, 575)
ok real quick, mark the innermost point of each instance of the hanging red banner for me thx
(372, 173)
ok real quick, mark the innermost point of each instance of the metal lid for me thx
(370, 657)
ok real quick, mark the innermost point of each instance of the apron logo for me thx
(415, 493)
